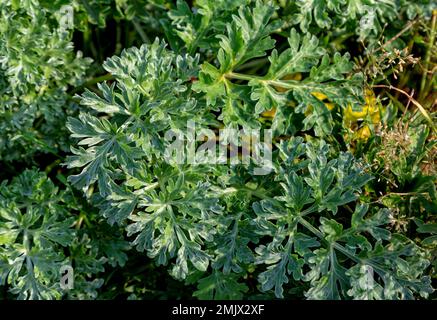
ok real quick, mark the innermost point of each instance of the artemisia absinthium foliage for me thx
(223, 222)
(305, 228)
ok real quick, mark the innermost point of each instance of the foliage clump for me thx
(344, 209)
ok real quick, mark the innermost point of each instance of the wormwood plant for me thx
(43, 229)
(37, 65)
(344, 210)
(223, 221)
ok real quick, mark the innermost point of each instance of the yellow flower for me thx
(369, 109)
(319, 95)
(370, 112)
(269, 113)
(363, 133)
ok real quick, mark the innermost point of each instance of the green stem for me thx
(29, 264)
(194, 44)
(309, 210)
(118, 45)
(102, 78)
(88, 43)
(286, 84)
(256, 63)
(311, 228)
(240, 76)
(150, 187)
(429, 50)
(50, 167)
(91, 82)
(140, 31)
(26, 241)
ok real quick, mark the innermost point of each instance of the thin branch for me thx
(400, 33)
(140, 31)
(410, 98)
